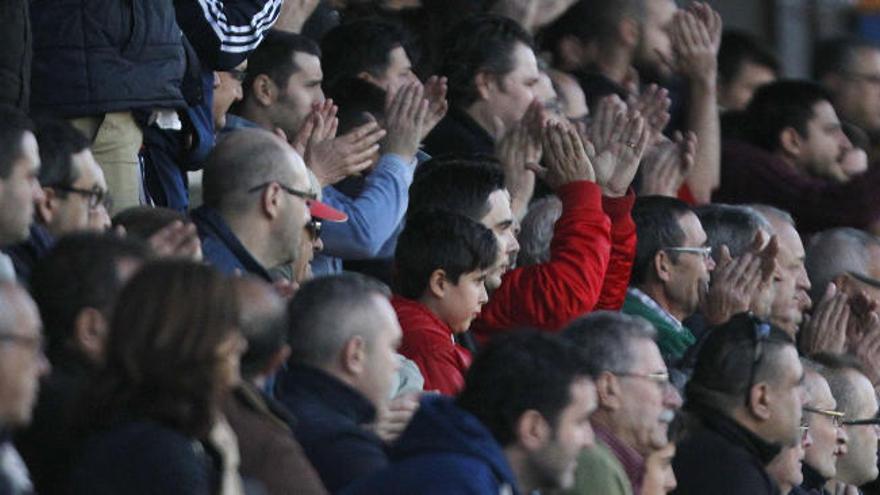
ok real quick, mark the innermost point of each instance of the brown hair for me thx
(161, 361)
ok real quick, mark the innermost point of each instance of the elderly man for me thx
(670, 275)
(744, 401)
(857, 400)
(343, 335)
(849, 258)
(259, 205)
(826, 431)
(22, 363)
(636, 402)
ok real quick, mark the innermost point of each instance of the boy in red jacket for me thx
(441, 264)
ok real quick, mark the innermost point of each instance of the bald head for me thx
(247, 158)
(263, 324)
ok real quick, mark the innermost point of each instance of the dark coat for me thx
(269, 453)
(444, 450)
(15, 57)
(27, 254)
(459, 134)
(330, 425)
(720, 457)
(221, 248)
(142, 457)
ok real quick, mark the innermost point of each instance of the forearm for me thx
(703, 120)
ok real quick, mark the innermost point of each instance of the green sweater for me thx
(599, 473)
(673, 342)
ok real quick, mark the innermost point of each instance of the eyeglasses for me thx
(705, 252)
(805, 430)
(95, 195)
(836, 416)
(661, 378)
(866, 421)
(308, 196)
(238, 75)
(36, 344)
(314, 228)
(761, 332)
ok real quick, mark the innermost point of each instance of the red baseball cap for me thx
(326, 212)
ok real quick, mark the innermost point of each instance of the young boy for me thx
(440, 268)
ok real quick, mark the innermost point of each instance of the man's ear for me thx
(532, 430)
(485, 84)
(366, 76)
(629, 32)
(608, 391)
(90, 333)
(791, 142)
(354, 356)
(663, 266)
(264, 90)
(46, 207)
(270, 201)
(759, 401)
(437, 284)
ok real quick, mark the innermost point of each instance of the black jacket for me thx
(720, 457)
(330, 419)
(15, 57)
(814, 483)
(459, 134)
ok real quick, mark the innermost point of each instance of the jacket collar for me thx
(462, 119)
(412, 312)
(298, 380)
(814, 483)
(736, 434)
(211, 224)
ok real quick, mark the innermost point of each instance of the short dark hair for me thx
(141, 222)
(81, 271)
(589, 20)
(356, 99)
(58, 142)
(739, 47)
(459, 186)
(725, 361)
(657, 227)
(837, 55)
(433, 240)
(363, 45)
(734, 226)
(606, 337)
(780, 105)
(483, 43)
(518, 372)
(326, 312)
(13, 124)
(274, 57)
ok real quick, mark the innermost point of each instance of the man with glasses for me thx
(636, 402)
(259, 204)
(825, 423)
(22, 363)
(744, 404)
(73, 194)
(856, 398)
(670, 275)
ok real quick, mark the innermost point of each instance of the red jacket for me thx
(427, 340)
(591, 258)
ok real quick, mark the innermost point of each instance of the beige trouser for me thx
(116, 142)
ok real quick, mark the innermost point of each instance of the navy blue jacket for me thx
(220, 246)
(443, 450)
(459, 134)
(27, 254)
(330, 425)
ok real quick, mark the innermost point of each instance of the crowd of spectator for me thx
(572, 247)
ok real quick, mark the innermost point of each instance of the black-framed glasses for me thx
(837, 417)
(238, 75)
(308, 196)
(705, 251)
(94, 196)
(760, 334)
(865, 421)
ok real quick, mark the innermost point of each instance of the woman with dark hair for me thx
(172, 352)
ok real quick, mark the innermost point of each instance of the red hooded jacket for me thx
(427, 340)
(591, 257)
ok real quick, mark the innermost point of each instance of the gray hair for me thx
(327, 312)
(537, 231)
(734, 226)
(263, 323)
(606, 338)
(835, 252)
(839, 370)
(772, 212)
